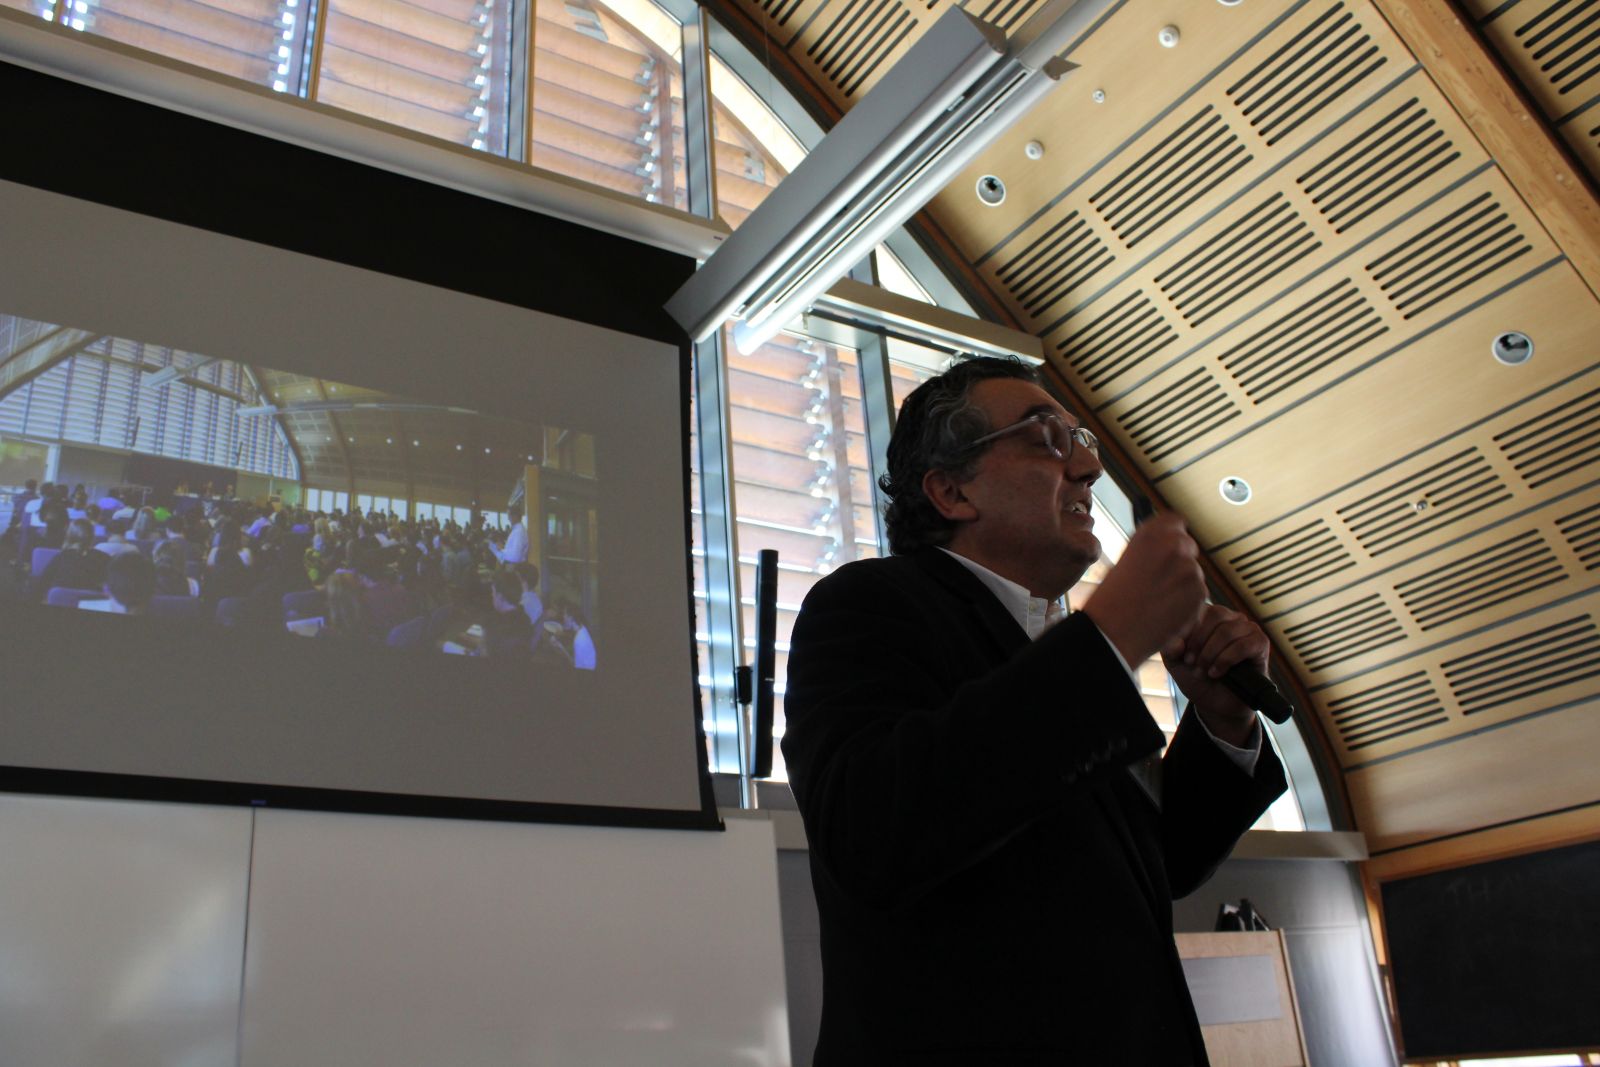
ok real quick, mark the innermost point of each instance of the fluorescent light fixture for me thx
(958, 88)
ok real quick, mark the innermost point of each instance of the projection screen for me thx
(483, 707)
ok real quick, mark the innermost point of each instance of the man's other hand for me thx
(1155, 592)
(1198, 659)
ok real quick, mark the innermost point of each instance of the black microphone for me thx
(1242, 679)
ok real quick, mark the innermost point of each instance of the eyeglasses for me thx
(1057, 436)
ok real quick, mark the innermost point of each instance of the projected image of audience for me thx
(138, 480)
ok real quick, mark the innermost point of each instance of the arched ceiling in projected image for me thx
(362, 440)
(1280, 251)
(345, 437)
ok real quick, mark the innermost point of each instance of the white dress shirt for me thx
(1035, 614)
(516, 550)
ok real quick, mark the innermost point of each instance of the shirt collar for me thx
(1034, 614)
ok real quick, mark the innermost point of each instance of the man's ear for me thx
(944, 492)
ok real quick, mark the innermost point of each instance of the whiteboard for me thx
(384, 940)
(136, 934)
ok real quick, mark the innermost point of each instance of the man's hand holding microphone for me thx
(1154, 600)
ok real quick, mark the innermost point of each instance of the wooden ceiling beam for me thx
(259, 383)
(1507, 123)
(50, 350)
(344, 448)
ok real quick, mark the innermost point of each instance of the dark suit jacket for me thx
(993, 884)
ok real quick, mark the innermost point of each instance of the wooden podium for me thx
(1244, 996)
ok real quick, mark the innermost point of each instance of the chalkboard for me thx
(1498, 957)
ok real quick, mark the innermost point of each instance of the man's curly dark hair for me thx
(937, 425)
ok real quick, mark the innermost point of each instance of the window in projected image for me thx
(141, 480)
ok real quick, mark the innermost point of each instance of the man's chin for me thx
(1085, 547)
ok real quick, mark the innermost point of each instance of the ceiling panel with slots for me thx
(1281, 252)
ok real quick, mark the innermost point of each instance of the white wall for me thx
(134, 933)
(91, 466)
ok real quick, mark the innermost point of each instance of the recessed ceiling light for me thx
(991, 191)
(1235, 490)
(1512, 348)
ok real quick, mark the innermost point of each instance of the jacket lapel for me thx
(992, 618)
(987, 611)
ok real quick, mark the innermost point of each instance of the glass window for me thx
(608, 97)
(801, 478)
(753, 150)
(438, 67)
(424, 510)
(259, 41)
(341, 502)
(893, 276)
(697, 559)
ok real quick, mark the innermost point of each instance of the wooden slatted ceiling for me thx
(1277, 252)
(845, 46)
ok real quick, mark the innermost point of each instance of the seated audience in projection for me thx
(228, 565)
(130, 583)
(570, 634)
(385, 601)
(363, 576)
(507, 630)
(315, 559)
(532, 605)
(20, 502)
(116, 542)
(144, 525)
(171, 562)
(31, 509)
(76, 566)
(345, 616)
(310, 548)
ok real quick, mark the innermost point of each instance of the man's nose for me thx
(1084, 465)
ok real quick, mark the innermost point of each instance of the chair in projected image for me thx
(408, 634)
(71, 598)
(175, 607)
(42, 558)
(438, 623)
(303, 605)
(231, 609)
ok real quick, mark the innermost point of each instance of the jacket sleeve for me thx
(909, 770)
(1208, 802)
